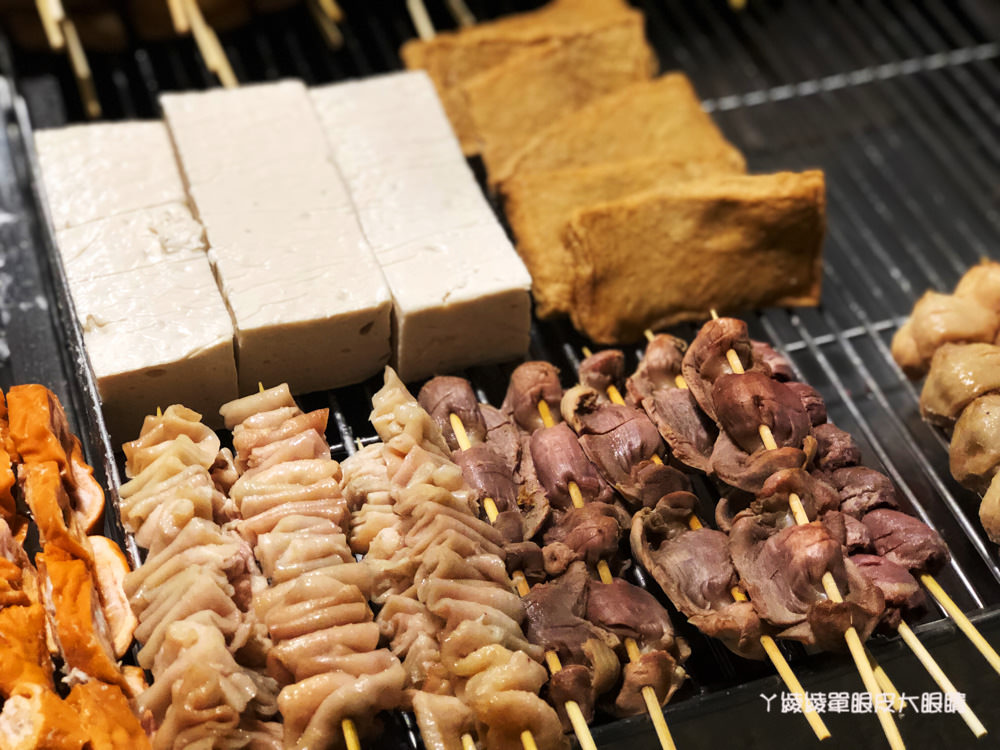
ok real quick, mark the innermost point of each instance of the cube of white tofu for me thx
(132, 240)
(157, 335)
(309, 300)
(95, 171)
(460, 291)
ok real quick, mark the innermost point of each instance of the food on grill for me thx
(937, 319)
(291, 259)
(96, 171)
(952, 339)
(292, 513)
(154, 323)
(512, 101)
(452, 58)
(758, 237)
(35, 717)
(660, 120)
(460, 292)
(959, 374)
(540, 204)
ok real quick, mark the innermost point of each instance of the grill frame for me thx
(918, 81)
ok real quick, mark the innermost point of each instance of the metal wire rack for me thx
(897, 101)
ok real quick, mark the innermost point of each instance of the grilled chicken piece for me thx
(35, 718)
(108, 720)
(811, 401)
(906, 541)
(602, 370)
(558, 460)
(46, 496)
(24, 654)
(862, 490)
(835, 449)
(749, 471)
(982, 284)
(776, 364)
(705, 360)
(590, 533)
(686, 429)
(902, 592)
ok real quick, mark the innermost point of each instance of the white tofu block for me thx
(157, 335)
(460, 291)
(133, 240)
(310, 302)
(95, 171)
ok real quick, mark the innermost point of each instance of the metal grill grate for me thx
(897, 101)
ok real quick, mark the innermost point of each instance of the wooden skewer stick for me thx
(331, 10)
(851, 636)
(770, 646)
(209, 46)
(963, 622)
(81, 69)
(461, 13)
(573, 710)
(326, 20)
(350, 734)
(631, 647)
(468, 743)
(421, 19)
(178, 17)
(52, 14)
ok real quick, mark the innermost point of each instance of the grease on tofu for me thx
(309, 301)
(460, 292)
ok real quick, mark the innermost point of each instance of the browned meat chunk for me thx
(526, 557)
(982, 284)
(906, 541)
(603, 369)
(502, 435)
(445, 395)
(559, 459)
(574, 682)
(749, 471)
(862, 490)
(817, 496)
(659, 368)
(590, 533)
(686, 428)
(852, 534)
(938, 319)
(777, 364)
(657, 669)
(811, 401)
(745, 402)
(705, 360)
(782, 571)
(959, 374)
(530, 383)
(902, 593)
(836, 448)
(488, 475)
(975, 447)
(630, 612)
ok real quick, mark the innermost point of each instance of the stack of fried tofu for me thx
(630, 208)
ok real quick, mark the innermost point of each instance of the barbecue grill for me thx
(897, 101)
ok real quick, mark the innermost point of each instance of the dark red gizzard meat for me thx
(684, 427)
(659, 368)
(530, 383)
(811, 401)
(816, 495)
(749, 471)
(777, 365)
(862, 490)
(906, 541)
(706, 360)
(902, 592)
(836, 449)
(602, 370)
(445, 395)
(745, 402)
(587, 534)
(558, 460)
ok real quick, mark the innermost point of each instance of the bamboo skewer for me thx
(81, 69)
(52, 14)
(631, 647)
(573, 710)
(421, 19)
(178, 17)
(770, 646)
(326, 18)
(209, 46)
(460, 12)
(961, 620)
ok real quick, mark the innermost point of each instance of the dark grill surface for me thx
(898, 103)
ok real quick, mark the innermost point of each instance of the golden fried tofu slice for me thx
(731, 244)
(46, 496)
(452, 58)
(539, 205)
(521, 96)
(660, 119)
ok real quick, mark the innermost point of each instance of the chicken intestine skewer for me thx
(463, 594)
(325, 652)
